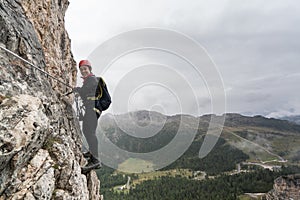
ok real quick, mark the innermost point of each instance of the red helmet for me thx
(86, 63)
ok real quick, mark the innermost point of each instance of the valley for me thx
(254, 149)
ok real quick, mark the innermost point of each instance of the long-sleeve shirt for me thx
(88, 89)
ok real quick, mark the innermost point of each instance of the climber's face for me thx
(85, 70)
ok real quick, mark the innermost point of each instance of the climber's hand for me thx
(76, 89)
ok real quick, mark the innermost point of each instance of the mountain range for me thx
(243, 139)
(292, 118)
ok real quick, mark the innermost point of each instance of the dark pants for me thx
(89, 126)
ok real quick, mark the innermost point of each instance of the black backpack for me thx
(103, 99)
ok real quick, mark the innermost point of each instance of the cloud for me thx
(254, 44)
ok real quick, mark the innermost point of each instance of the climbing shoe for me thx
(87, 154)
(93, 163)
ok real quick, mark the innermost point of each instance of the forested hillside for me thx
(249, 154)
(229, 187)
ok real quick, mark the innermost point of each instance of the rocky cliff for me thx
(40, 141)
(285, 187)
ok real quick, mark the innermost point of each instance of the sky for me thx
(253, 47)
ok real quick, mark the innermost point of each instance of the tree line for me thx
(223, 187)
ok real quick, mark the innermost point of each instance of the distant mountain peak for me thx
(292, 118)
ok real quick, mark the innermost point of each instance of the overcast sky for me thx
(254, 44)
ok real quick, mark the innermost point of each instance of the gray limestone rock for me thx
(40, 142)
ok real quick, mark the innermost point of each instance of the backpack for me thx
(103, 99)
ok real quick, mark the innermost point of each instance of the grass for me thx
(253, 148)
(244, 197)
(146, 171)
(135, 165)
(51, 141)
(248, 197)
(157, 174)
(154, 175)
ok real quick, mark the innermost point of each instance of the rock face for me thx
(285, 187)
(40, 140)
(47, 17)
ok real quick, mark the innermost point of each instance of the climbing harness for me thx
(35, 67)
